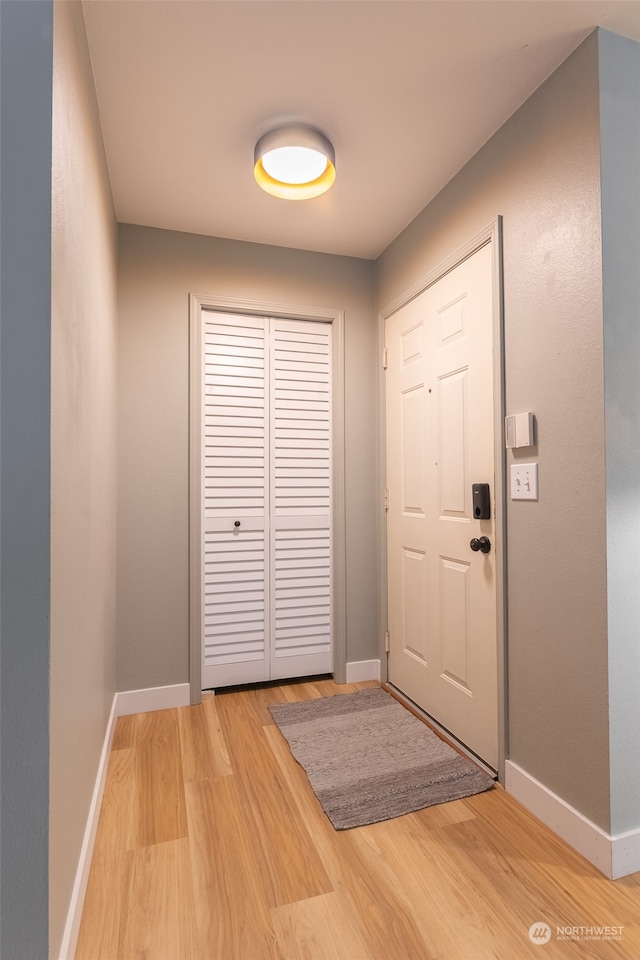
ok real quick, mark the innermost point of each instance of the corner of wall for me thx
(619, 73)
(83, 458)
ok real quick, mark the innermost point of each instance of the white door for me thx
(442, 594)
(266, 499)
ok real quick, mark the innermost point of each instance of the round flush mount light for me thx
(294, 162)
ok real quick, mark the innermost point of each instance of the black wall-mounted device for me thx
(481, 501)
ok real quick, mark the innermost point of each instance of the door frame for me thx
(264, 308)
(493, 234)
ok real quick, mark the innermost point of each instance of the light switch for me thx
(524, 481)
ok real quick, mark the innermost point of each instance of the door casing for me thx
(493, 233)
(287, 311)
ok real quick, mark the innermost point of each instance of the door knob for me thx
(483, 544)
(236, 523)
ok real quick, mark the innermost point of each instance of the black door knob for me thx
(483, 544)
(236, 523)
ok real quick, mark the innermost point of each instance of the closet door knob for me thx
(237, 523)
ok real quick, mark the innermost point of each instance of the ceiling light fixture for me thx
(295, 162)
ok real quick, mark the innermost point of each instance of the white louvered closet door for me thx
(267, 580)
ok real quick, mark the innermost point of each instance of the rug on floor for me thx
(369, 759)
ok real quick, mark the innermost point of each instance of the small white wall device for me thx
(519, 430)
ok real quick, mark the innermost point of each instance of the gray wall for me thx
(620, 173)
(541, 172)
(25, 310)
(157, 271)
(83, 455)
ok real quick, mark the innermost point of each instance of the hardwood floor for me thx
(212, 846)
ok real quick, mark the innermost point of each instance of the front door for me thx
(440, 441)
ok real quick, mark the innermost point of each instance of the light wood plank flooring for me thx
(211, 845)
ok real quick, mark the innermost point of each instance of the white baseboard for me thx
(625, 854)
(616, 856)
(74, 914)
(124, 703)
(153, 698)
(363, 670)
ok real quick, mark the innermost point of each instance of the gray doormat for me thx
(369, 759)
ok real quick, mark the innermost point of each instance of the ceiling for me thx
(407, 91)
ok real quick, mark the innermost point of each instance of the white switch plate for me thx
(524, 481)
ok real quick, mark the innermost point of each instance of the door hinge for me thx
(386, 642)
(386, 499)
(384, 359)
